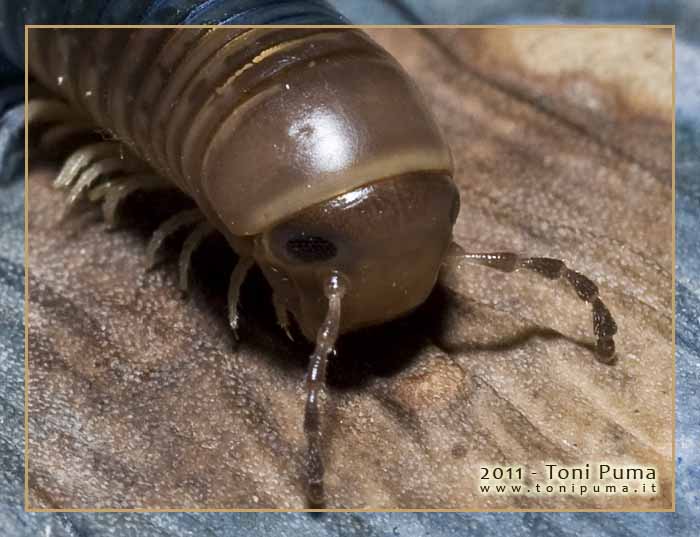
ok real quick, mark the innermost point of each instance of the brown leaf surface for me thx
(137, 399)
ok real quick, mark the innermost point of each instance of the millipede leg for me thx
(282, 314)
(92, 173)
(56, 135)
(234, 290)
(119, 189)
(192, 242)
(167, 228)
(42, 110)
(604, 326)
(82, 158)
(315, 380)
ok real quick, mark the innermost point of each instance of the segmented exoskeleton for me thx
(309, 149)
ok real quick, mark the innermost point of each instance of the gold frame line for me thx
(27, 508)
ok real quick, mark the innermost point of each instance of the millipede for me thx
(309, 149)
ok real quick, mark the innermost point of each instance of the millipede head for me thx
(387, 239)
